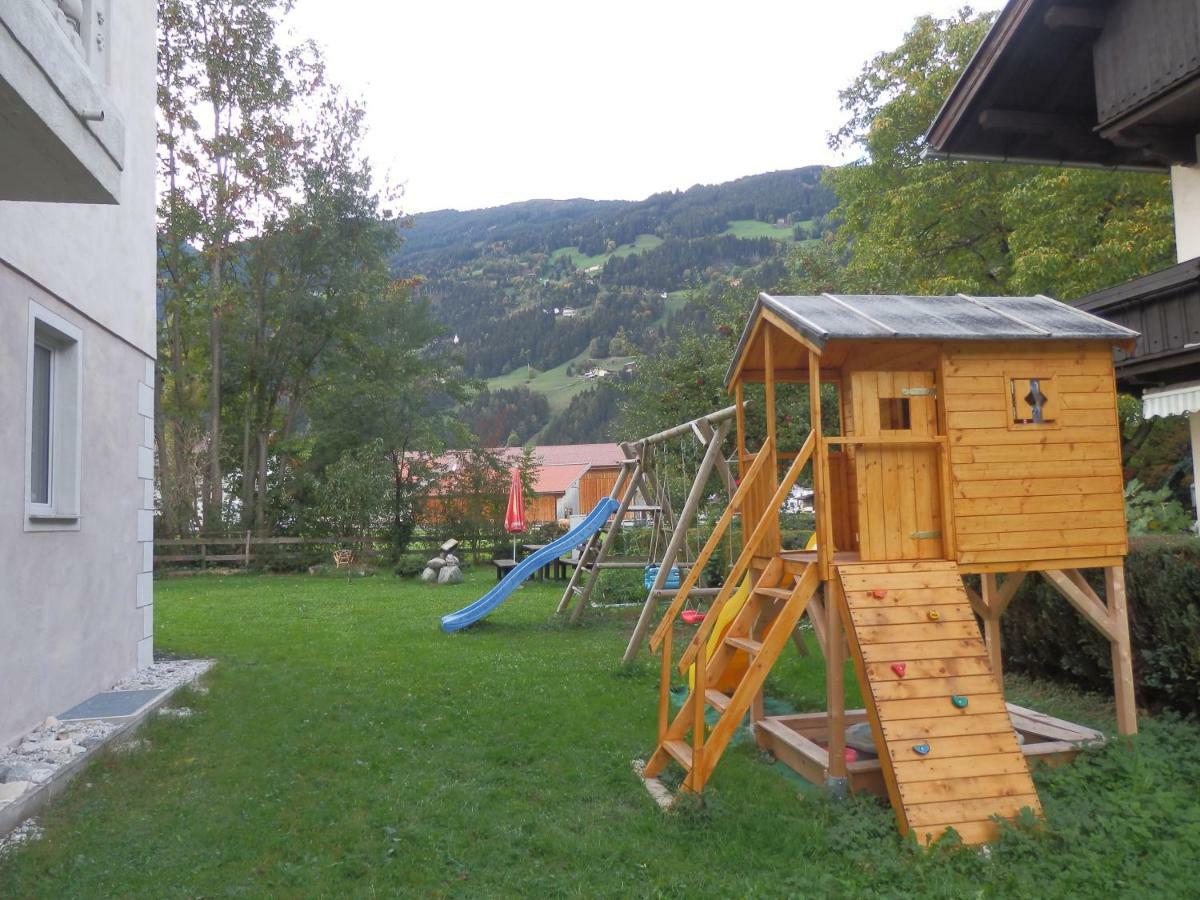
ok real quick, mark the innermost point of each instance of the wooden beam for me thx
(991, 623)
(678, 537)
(835, 688)
(1005, 593)
(1122, 654)
(1082, 17)
(769, 384)
(1087, 606)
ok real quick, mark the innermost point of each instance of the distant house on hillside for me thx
(77, 346)
(568, 312)
(571, 479)
(597, 372)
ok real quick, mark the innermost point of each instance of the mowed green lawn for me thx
(349, 748)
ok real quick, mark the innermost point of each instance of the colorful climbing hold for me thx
(934, 615)
(900, 669)
(878, 594)
(959, 700)
(920, 749)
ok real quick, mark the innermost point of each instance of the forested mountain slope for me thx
(542, 294)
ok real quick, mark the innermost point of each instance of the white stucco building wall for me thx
(76, 595)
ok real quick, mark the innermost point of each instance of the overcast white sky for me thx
(473, 103)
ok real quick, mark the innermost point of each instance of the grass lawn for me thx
(558, 387)
(641, 243)
(349, 748)
(752, 228)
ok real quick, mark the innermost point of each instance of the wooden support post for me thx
(1122, 654)
(664, 688)
(820, 463)
(769, 386)
(610, 538)
(699, 686)
(835, 688)
(991, 623)
(739, 402)
(678, 539)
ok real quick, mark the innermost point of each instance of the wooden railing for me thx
(750, 548)
(245, 546)
(714, 539)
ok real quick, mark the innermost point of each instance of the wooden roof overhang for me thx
(832, 326)
(1165, 308)
(1095, 83)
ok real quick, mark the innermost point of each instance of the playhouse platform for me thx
(800, 741)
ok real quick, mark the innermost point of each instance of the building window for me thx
(53, 422)
(894, 414)
(1034, 401)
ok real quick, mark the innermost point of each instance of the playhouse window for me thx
(1034, 400)
(894, 414)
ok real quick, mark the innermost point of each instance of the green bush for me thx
(410, 566)
(1043, 635)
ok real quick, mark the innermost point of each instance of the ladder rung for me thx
(681, 752)
(744, 643)
(716, 699)
(781, 593)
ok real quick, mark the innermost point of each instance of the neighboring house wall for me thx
(76, 597)
(1185, 191)
(594, 486)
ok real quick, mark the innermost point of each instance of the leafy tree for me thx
(934, 227)
(352, 500)
(226, 89)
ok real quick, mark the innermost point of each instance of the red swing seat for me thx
(692, 616)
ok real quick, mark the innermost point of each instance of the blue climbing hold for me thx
(959, 700)
(921, 749)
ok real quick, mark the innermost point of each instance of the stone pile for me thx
(442, 569)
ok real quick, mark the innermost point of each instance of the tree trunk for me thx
(213, 492)
(260, 502)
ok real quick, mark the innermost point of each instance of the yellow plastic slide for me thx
(737, 666)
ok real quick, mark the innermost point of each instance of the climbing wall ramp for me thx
(946, 744)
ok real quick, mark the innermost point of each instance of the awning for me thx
(1175, 400)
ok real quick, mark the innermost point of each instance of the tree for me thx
(226, 90)
(929, 226)
(353, 497)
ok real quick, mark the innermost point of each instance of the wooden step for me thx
(780, 593)
(680, 751)
(716, 699)
(744, 643)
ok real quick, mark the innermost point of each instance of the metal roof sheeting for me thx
(828, 317)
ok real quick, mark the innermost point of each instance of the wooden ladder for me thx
(761, 629)
(945, 741)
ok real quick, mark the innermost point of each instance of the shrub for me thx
(410, 566)
(1043, 635)
(1154, 512)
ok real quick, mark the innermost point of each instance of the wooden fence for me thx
(245, 549)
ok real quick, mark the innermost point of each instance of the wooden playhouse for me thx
(974, 436)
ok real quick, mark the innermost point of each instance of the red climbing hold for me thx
(900, 669)
(692, 616)
(878, 594)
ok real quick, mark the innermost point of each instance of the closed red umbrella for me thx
(514, 516)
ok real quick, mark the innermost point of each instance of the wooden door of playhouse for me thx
(899, 505)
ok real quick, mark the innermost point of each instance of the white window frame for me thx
(65, 342)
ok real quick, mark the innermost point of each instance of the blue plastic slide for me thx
(469, 614)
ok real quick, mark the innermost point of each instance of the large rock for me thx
(436, 563)
(429, 575)
(450, 575)
(451, 559)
